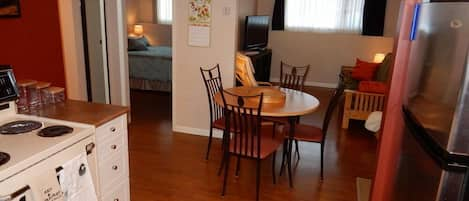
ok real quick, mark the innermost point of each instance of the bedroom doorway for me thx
(150, 59)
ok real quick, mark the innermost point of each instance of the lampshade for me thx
(138, 29)
(379, 57)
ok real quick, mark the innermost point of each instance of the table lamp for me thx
(138, 29)
(379, 57)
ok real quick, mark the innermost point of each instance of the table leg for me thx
(292, 122)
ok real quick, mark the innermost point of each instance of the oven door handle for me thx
(15, 194)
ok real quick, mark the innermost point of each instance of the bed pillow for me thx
(364, 70)
(136, 45)
(142, 39)
(372, 87)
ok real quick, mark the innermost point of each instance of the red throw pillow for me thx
(364, 70)
(372, 87)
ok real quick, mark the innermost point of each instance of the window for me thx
(164, 11)
(344, 16)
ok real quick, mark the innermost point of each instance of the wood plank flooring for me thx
(167, 166)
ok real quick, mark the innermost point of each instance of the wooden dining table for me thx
(294, 104)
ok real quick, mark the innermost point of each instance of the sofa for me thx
(359, 104)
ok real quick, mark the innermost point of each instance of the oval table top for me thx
(297, 103)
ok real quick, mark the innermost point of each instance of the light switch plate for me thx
(227, 11)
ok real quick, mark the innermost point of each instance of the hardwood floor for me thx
(167, 166)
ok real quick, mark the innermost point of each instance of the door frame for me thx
(73, 50)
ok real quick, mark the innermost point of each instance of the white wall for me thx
(325, 52)
(142, 12)
(72, 42)
(190, 104)
(73, 55)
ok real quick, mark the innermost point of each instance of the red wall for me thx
(393, 126)
(32, 43)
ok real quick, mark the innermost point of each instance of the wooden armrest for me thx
(264, 84)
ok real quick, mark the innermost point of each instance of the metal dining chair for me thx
(213, 84)
(308, 133)
(248, 139)
(291, 77)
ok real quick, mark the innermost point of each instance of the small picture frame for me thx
(10, 8)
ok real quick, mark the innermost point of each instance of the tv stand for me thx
(261, 60)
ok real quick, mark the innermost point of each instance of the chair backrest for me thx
(242, 115)
(213, 84)
(338, 92)
(293, 77)
(245, 70)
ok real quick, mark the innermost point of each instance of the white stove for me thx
(31, 165)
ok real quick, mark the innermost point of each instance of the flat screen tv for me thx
(256, 32)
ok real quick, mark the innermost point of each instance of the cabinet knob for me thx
(114, 147)
(117, 199)
(115, 167)
(113, 129)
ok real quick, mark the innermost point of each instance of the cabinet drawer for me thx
(112, 170)
(117, 126)
(120, 193)
(110, 148)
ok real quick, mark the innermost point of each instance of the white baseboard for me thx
(197, 131)
(311, 83)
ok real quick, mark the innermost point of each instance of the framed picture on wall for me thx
(10, 8)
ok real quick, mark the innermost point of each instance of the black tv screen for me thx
(256, 32)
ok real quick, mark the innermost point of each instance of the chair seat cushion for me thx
(219, 123)
(306, 133)
(268, 146)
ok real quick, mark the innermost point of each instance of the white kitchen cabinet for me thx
(113, 160)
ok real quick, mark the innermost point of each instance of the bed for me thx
(150, 69)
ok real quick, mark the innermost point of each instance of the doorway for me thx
(149, 35)
(95, 50)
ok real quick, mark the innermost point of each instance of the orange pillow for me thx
(372, 87)
(364, 70)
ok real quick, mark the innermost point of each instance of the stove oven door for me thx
(23, 194)
(27, 184)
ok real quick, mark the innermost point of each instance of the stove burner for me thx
(4, 158)
(18, 127)
(55, 131)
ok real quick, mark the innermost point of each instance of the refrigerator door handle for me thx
(415, 21)
(447, 161)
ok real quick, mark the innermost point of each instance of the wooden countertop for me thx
(83, 112)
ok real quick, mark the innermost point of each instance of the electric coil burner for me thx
(18, 127)
(55, 131)
(4, 158)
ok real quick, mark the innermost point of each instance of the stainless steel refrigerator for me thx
(434, 162)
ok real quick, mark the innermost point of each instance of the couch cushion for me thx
(372, 87)
(364, 70)
(383, 69)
